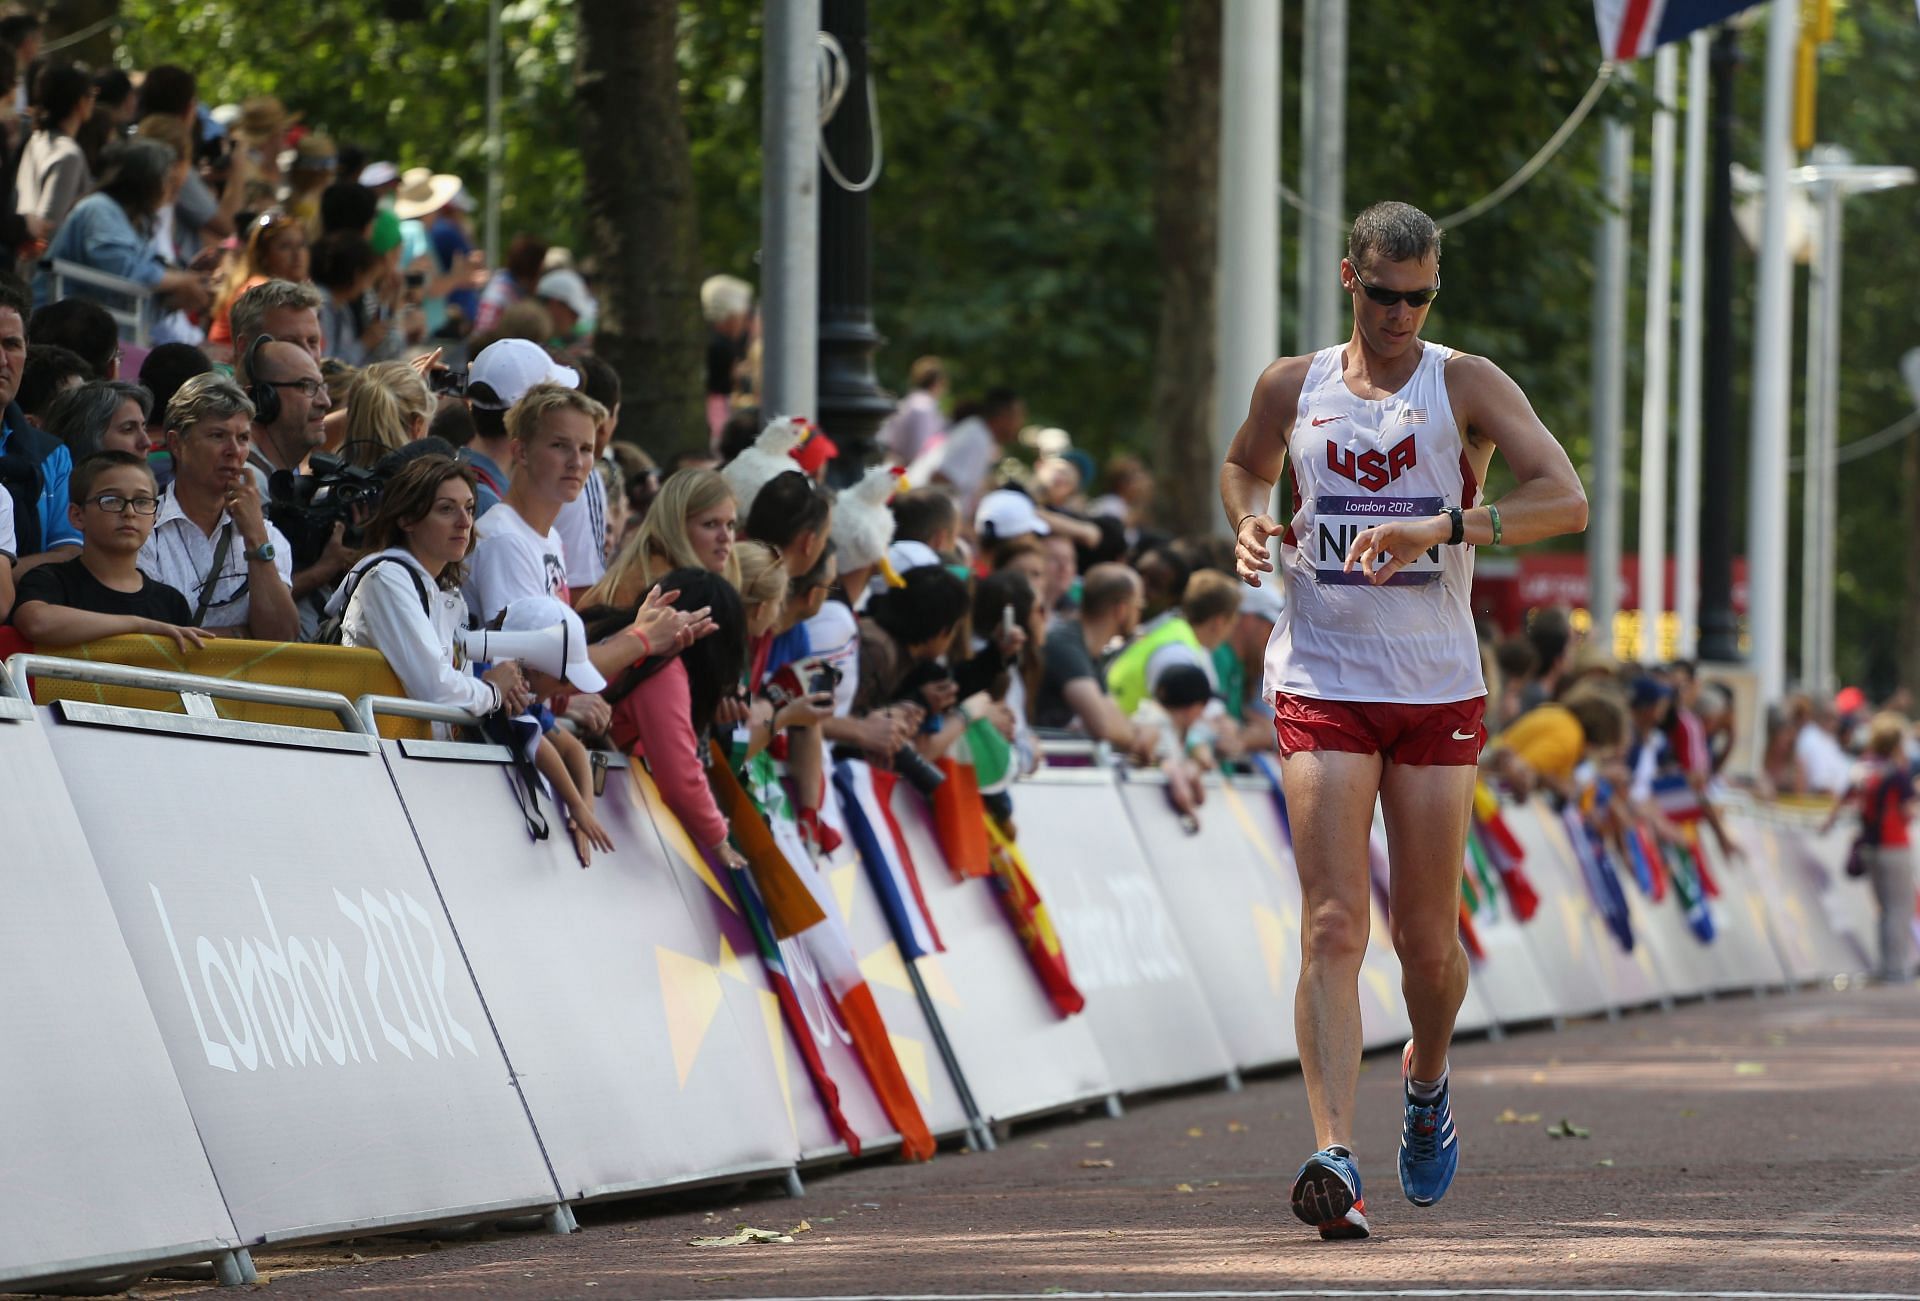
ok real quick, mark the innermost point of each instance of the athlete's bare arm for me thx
(1491, 412)
(1255, 462)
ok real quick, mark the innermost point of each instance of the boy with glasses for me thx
(102, 593)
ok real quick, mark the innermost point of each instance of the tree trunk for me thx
(1186, 216)
(640, 217)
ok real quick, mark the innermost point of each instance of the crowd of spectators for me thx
(349, 429)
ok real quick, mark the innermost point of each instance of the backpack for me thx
(330, 630)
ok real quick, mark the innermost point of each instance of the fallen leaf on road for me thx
(1091, 1164)
(806, 1226)
(1688, 1113)
(1567, 1129)
(1235, 1127)
(745, 1237)
(1042, 1146)
(1538, 1077)
(1512, 1117)
(1749, 1068)
(1183, 1188)
(1605, 1161)
(1095, 1143)
(1196, 1132)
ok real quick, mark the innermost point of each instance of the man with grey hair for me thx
(1373, 668)
(212, 540)
(281, 308)
(727, 303)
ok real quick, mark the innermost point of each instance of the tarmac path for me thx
(1760, 1148)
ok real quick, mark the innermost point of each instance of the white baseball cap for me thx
(375, 175)
(1010, 514)
(564, 285)
(567, 657)
(512, 366)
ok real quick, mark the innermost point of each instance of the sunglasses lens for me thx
(1384, 297)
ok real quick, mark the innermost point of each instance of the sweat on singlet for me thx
(1356, 462)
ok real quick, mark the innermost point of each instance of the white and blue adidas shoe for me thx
(1429, 1145)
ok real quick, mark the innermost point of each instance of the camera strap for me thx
(220, 550)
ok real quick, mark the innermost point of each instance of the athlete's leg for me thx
(1426, 810)
(1330, 796)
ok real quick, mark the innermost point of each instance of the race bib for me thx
(1337, 521)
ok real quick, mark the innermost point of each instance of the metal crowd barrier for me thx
(134, 321)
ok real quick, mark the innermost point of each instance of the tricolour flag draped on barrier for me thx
(1631, 28)
(865, 800)
(1028, 913)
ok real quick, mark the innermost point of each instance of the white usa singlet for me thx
(1356, 463)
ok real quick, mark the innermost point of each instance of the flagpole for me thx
(1658, 337)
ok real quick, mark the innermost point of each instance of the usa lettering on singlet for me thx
(1355, 463)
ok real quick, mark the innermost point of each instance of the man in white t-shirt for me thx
(917, 424)
(965, 460)
(519, 552)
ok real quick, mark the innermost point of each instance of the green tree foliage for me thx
(411, 89)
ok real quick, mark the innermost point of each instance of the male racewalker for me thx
(1374, 670)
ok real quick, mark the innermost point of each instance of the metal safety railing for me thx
(135, 321)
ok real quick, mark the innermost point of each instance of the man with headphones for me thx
(290, 401)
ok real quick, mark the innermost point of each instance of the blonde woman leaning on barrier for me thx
(388, 406)
(1882, 789)
(690, 526)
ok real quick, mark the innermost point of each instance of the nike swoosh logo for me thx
(1466, 736)
(1325, 420)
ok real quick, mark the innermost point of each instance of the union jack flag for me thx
(1631, 28)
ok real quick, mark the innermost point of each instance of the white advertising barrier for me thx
(748, 988)
(915, 1029)
(1743, 948)
(1846, 901)
(103, 1167)
(1627, 980)
(1560, 937)
(1021, 1057)
(321, 1020)
(637, 1073)
(1240, 929)
(1808, 946)
(1144, 999)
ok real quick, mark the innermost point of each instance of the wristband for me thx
(1243, 521)
(1458, 518)
(646, 644)
(1493, 513)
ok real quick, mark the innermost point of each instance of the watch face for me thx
(265, 551)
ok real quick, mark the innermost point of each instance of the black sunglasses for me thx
(1388, 297)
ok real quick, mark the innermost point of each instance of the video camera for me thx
(306, 507)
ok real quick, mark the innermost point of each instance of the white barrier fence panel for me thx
(103, 1167)
(1239, 926)
(1144, 999)
(637, 1072)
(1020, 1056)
(329, 1041)
(1626, 980)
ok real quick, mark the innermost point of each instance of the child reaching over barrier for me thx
(560, 667)
(1179, 698)
(101, 592)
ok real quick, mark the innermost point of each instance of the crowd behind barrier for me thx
(418, 1014)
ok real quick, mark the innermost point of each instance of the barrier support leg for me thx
(1114, 1108)
(560, 1220)
(235, 1268)
(1233, 1081)
(1495, 1032)
(978, 1137)
(794, 1187)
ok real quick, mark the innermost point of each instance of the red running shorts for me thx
(1418, 735)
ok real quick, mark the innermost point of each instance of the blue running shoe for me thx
(1326, 1194)
(1429, 1147)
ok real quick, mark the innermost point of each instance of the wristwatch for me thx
(262, 552)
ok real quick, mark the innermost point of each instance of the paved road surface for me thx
(1764, 1147)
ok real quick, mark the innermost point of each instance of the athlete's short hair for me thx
(1393, 232)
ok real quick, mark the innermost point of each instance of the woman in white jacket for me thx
(403, 597)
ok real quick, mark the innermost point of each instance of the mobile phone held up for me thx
(448, 383)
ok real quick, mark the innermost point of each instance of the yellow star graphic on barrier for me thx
(678, 843)
(777, 1040)
(1574, 924)
(1381, 986)
(940, 987)
(884, 966)
(1261, 841)
(844, 879)
(1273, 943)
(690, 992)
(913, 1063)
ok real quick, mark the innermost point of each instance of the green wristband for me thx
(1493, 514)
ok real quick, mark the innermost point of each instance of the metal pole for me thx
(1719, 629)
(1247, 322)
(1825, 679)
(1658, 340)
(1693, 239)
(1325, 150)
(1309, 241)
(790, 209)
(1609, 378)
(1772, 386)
(1813, 525)
(496, 182)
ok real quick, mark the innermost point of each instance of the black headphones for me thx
(264, 396)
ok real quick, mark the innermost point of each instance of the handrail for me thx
(22, 667)
(134, 319)
(369, 707)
